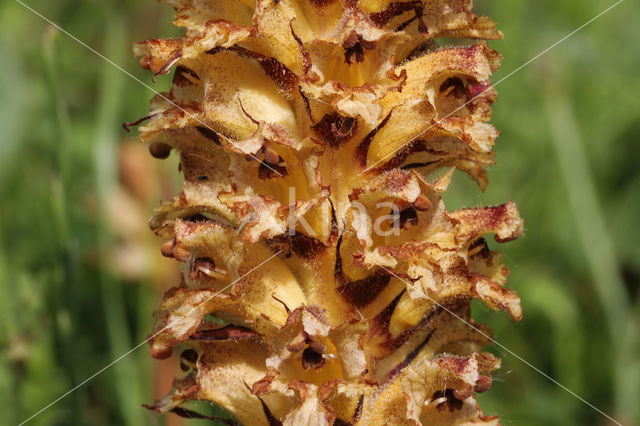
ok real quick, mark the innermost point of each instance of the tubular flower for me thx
(324, 282)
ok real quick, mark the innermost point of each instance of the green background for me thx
(568, 155)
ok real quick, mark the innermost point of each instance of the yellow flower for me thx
(315, 130)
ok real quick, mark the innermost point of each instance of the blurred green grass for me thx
(567, 155)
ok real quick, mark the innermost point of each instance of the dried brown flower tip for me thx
(312, 129)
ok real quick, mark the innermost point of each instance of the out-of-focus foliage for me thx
(567, 156)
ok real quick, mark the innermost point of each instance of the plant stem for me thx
(127, 377)
(597, 246)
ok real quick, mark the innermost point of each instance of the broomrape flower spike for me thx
(355, 322)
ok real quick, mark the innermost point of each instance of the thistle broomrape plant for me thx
(324, 282)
